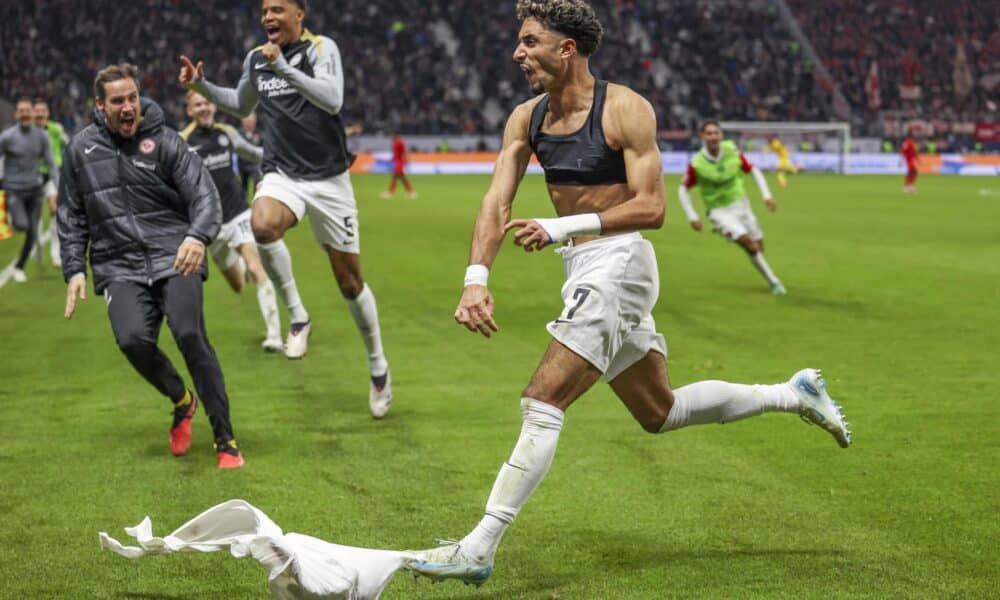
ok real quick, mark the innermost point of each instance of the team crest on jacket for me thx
(223, 140)
(296, 60)
(147, 146)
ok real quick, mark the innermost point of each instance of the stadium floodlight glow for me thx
(794, 129)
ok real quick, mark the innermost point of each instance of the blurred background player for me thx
(249, 170)
(296, 83)
(719, 168)
(784, 161)
(57, 139)
(151, 265)
(24, 149)
(216, 144)
(912, 158)
(399, 169)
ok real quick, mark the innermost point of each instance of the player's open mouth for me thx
(127, 121)
(273, 33)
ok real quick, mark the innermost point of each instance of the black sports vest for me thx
(580, 158)
(216, 152)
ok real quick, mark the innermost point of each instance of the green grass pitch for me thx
(895, 297)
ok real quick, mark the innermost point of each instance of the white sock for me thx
(277, 262)
(721, 402)
(764, 268)
(518, 477)
(268, 302)
(54, 244)
(365, 313)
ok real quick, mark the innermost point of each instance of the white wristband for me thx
(476, 275)
(563, 228)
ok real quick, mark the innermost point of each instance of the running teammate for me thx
(296, 82)
(596, 142)
(216, 144)
(719, 168)
(24, 148)
(57, 139)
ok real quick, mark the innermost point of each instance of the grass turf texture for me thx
(894, 297)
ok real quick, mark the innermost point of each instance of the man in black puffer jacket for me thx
(144, 207)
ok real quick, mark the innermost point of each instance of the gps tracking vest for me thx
(579, 158)
(721, 181)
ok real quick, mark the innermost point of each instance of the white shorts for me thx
(611, 287)
(49, 189)
(735, 221)
(233, 234)
(330, 204)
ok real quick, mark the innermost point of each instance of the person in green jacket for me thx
(718, 169)
(57, 139)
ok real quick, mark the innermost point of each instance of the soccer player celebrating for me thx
(719, 168)
(23, 148)
(784, 161)
(142, 207)
(912, 158)
(57, 139)
(215, 143)
(297, 84)
(596, 142)
(399, 169)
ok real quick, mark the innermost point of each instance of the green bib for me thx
(56, 136)
(721, 181)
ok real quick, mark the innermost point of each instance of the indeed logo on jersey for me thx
(273, 86)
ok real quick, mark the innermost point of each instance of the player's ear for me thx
(567, 48)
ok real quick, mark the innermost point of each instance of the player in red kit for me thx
(909, 151)
(399, 169)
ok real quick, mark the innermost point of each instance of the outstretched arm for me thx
(475, 309)
(758, 178)
(238, 101)
(242, 146)
(73, 228)
(684, 196)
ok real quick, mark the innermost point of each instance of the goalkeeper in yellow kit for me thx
(784, 162)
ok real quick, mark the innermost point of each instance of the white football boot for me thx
(449, 561)
(817, 408)
(18, 275)
(272, 344)
(297, 342)
(380, 395)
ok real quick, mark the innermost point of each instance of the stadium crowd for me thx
(419, 66)
(950, 51)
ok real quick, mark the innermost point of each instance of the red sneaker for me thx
(180, 431)
(230, 456)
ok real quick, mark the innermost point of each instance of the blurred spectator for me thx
(420, 66)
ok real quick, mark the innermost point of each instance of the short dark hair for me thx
(114, 73)
(300, 3)
(40, 101)
(709, 122)
(21, 99)
(573, 18)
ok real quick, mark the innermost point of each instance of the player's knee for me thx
(350, 286)
(265, 233)
(134, 344)
(188, 338)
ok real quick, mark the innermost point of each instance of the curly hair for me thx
(573, 18)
